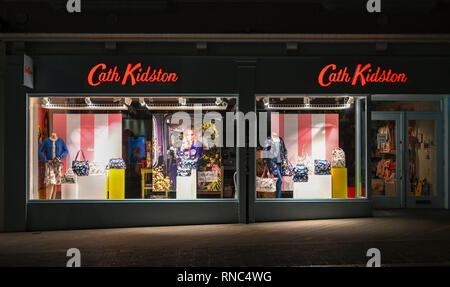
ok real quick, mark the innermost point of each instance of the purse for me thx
(266, 184)
(322, 167)
(69, 177)
(338, 158)
(80, 167)
(116, 163)
(183, 172)
(306, 161)
(286, 168)
(300, 173)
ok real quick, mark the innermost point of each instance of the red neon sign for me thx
(134, 73)
(362, 75)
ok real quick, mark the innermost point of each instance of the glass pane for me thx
(312, 147)
(384, 160)
(424, 106)
(131, 148)
(422, 157)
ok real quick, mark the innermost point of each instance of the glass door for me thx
(424, 160)
(386, 158)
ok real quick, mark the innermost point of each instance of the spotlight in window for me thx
(128, 101)
(307, 101)
(266, 101)
(350, 100)
(182, 101)
(218, 101)
(46, 101)
(88, 101)
(142, 101)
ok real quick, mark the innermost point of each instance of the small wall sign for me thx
(28, 76)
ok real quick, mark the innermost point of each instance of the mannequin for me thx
(52, 151)
(275, 154)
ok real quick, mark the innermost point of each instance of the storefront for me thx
(118, 141)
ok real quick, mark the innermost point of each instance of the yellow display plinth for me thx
(116, 184)
(339, 182)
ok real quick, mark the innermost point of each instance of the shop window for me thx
(314, 147)
(98, 148)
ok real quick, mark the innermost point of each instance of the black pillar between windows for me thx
(2, 135)
(246, 155)
(15, 146)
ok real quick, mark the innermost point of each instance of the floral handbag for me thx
(300, 173)
(183, 171)
(322, 167)
(69, 177)
(116, 163)
(286, 168)
(338, 158)
(266, 184)
(80, 167)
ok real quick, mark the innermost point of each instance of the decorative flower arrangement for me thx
(213, 134)
(160, 182)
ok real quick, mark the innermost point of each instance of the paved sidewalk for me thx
(405, 238)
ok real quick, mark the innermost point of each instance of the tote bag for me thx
(80, 167)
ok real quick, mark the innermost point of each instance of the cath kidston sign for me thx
(132, 74)
(362, 75)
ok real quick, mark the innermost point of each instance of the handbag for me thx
(322, 167)
(306, 161)
(116, 163)
(286, 168)
(69, 177)
(80, 167)
(338, 158)
(183, 172)
(300, 173)
(266, 184)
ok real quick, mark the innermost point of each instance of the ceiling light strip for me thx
(179, 107)
(102, 107)
(322, 107)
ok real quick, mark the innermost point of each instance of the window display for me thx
(316, 134)
(129, 148)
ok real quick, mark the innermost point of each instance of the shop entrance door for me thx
(386, 152)
(407, 160)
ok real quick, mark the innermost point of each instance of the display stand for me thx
(92, 187)
(187, 186)
(317, 187)
(339, 179)
(116, 184)
(69, 191)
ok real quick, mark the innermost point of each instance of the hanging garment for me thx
(51, 149)
(385, 146)
(273, 154)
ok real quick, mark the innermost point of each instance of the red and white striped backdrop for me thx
(98, 135)
(316, 134)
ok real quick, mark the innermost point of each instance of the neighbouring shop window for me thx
(314, 147)
(95, 148)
